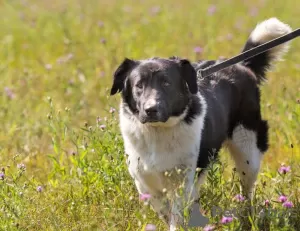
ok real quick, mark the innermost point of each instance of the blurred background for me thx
(69, 49)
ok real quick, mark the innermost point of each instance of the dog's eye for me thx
(166, 83)
(139, 85)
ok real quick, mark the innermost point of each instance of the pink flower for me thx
(2, 175)
(48, 66)
(282, 198)
(226, 220)
(209, 228)
(267, 203)
(112, 110)
(144, 196)
(102, 127)
(21, 166)
(39, 189)
(150, 227)
(284, 169)
(155, 10)
(98, 119)
(288, 204)
(211, 9)
(198, 50)
(239, 198)
(100, 24)
(103, 40)
(9, 93)
(253, 11)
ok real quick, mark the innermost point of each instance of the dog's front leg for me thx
(158, 202)
(181, 202)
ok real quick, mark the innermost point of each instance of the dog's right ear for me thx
(121, 75)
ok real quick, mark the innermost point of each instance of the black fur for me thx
(121, 74)
(233, 98)
(194, 110)
(189, 74)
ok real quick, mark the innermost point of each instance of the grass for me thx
(61, 152)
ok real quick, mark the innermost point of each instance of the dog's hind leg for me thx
(246, 147)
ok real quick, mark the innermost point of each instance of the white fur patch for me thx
(268, 30)
(246, 155)
(152, 150)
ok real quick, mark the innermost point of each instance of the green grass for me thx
(57, 61)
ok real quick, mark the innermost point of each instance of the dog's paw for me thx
(196, 218)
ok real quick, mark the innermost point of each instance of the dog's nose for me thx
(151, 109)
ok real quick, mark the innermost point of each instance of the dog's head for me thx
(155, 89)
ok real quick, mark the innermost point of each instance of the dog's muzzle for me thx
(153, 112)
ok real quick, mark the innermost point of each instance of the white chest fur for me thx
(152, 150)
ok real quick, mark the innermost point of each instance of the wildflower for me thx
(65, 58)
(226, 220)
(103, 40)
(155, 10)
(145, 196)
(267, 202)
(102, 127)
(48, 66)
(239, 198)
(288, 204)
(229, 36)
(112, 110)
(39, 188)
(253, 11)
(284, 169)
(9, 93)
(209, 228)
(239, 25)
(198, 50)
(211, 9)
(2, 175)
(102, 74)
(127, 9)
(100, 24)
(21, 166)
(150, 227)
(282, 198)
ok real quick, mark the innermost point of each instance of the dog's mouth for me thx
(152, 120)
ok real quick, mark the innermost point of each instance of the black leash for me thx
(248, 54)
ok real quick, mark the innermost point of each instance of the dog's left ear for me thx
(120, 75)
(189, 74)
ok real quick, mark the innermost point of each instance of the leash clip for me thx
(199, 74)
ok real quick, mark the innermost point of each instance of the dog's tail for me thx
(264, 32)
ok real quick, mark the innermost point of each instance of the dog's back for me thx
(234, 93)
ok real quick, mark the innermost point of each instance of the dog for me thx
(170, 119)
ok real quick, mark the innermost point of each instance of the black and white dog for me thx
(170, 119)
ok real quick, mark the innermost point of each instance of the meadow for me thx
(61, 152)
